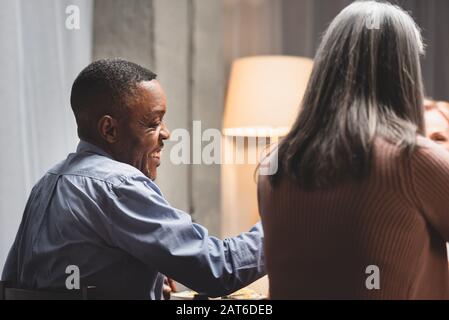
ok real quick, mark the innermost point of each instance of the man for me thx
(437, 125)
(99, 210)
(437, 122)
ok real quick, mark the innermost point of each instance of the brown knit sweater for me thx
(318, 244)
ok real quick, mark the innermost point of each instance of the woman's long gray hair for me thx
(366, 83)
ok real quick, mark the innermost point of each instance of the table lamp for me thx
(263, 101)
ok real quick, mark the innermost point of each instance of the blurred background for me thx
(190, 44)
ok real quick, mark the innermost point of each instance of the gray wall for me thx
(303, 21)
(181, 41)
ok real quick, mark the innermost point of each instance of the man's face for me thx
(437, 126)
(141, 131)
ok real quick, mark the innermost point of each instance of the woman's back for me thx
(320, 244)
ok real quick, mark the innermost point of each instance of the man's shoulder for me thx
(96, 167)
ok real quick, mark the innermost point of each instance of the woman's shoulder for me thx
(426, 148)
(429, 158)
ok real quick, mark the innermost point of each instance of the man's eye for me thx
(154, 126)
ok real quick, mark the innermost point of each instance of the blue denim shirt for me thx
(113, 223)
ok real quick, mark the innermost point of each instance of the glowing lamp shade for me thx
(264, 95)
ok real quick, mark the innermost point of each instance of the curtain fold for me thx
(39, 60)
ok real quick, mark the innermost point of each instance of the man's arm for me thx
(142, 223)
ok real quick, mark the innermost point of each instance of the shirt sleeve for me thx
(11, 269)
(430, 173)
(10, 273)
(142, 223)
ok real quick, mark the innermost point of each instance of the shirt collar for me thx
(84, 146)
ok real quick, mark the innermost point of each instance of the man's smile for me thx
(156, 155)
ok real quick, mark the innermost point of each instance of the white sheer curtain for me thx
(39, 59)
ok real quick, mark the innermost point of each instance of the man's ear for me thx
(108, 129)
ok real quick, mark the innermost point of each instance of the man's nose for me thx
(165, 133)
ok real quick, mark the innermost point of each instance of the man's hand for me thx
(169, 287)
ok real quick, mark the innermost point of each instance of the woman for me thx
(358, 208)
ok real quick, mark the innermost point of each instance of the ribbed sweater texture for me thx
(323, 244)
